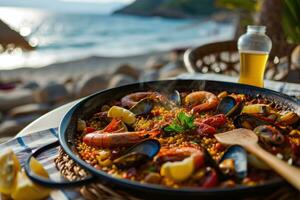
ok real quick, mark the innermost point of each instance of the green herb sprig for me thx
(182, 123)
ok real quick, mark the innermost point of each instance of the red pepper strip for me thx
(211, 179)
(215, 121)
(112, 126)
(204, 129)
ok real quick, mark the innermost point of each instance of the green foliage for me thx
(247, 5)
(182, 123)
(193, 7)
(184, 7)
(291, 20)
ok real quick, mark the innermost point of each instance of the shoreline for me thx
(78, 67)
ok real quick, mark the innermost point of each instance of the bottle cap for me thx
(256, 29)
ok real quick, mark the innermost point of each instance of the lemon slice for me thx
(25, 188)
(256, 108)
(38, 168)
(178, 171)
(121, 113)
(9, 166)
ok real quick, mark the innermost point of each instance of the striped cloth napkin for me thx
(23, 146)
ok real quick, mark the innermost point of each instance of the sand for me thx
(93, 64)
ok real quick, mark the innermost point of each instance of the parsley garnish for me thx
(182, 123)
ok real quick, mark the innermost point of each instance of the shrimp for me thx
(132, 99)
(107, 140)
(201, 101)
(178, 154)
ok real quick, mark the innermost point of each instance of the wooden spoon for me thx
(248, 139)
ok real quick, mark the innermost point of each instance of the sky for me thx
(68, 5)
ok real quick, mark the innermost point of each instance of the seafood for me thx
(201, 101)
(269, 135)
(178, 154)
(138, 154)
(234, 162)
(132, 99)
(175, 98)
(167, 138)
(143, 107)
(229, 106)
(107, 140)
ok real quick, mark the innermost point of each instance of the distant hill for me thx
(169, 8)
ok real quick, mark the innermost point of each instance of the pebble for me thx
(119, 80)
(31, 85)
(127, 70)
(155, 63)
(91, 84)
(14, 98)
(11, 127)
(53, 92)
(149, 75)
(29, 109)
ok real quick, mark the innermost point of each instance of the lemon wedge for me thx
(121, 113)
(38, 168)
(9, 167)
(178, 171)
(256, 108)
(25, 189)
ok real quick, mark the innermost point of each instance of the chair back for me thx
(223, 58)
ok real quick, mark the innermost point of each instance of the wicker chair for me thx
(223, 58)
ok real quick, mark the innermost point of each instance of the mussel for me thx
(234, 162)
(269, 135)
(250, 121)
(229, 106)
(138, 154)
(143, 107)
(175, 97)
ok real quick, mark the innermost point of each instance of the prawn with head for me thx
(201, 101)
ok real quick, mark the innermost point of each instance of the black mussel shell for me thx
(130, 160)
(175, 97)
(238, 155)
(229, 107)
(249, 121)
(138, 154)
(143, 107)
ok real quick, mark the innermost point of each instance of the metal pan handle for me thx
(47, 182)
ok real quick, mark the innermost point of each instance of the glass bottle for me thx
(254, 48)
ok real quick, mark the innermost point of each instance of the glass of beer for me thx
(254, 48)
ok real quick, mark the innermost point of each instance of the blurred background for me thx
(55, 51)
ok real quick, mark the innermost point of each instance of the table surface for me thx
(52, 119)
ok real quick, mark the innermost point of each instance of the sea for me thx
(61, 37)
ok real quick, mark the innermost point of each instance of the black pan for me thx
(86, 108)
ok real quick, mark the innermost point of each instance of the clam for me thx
(138, 154)
(229, 106)
(234, 162)
(269, 135)
(250, 121)
(143, 107)
(175, 97)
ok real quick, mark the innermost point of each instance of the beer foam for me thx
(254, 52)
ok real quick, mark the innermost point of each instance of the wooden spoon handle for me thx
(289, 173)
